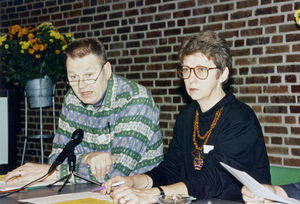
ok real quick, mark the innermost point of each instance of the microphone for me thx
(77, 137)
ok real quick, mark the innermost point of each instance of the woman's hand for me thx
(250, 197)
(28, 172)
(100, 163)
(108, 184)
(124, 194)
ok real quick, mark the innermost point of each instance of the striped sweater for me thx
(126, 125)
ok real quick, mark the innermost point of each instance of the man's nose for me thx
(81, 84)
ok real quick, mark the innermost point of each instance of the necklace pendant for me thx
(198, 159)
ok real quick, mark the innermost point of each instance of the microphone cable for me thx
(23, 187)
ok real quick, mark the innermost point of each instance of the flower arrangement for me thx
(28, 53)
(297, 16)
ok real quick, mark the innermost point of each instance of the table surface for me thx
(13, 199)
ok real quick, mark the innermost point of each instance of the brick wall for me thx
(142, 38)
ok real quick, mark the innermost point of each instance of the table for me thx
(13, 199)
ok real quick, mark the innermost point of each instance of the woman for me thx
(214, 127)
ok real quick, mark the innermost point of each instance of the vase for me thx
(39, 92)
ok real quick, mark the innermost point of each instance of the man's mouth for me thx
(86, 93)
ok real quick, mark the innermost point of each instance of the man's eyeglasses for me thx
(200, 72)
(89, 79)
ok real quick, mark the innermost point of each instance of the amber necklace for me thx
(197, 153)
(208, 133)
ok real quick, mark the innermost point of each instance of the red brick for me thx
(275, 79)
(291, 162)
(270, 59)
(278, 150)
(257, 51)
(253, 22)
(296, 89)
(290, 119)
(241, 14)
(277, 49)
(275, 109)
(277, 129)
(257, 109)
(256, 80)
(295, 109)
(270, 119)
(275, 89)
(277, 39)
(238, 43)
(283, 99)
(270, 29)
(272, 20)
(293, 58)
(250, 89)
(295, 130)
(186, 4)
(275, 160)
(251, 32)
(198, 20)
(245, 61)
(287, 7)
(232, 25)
(276, 140)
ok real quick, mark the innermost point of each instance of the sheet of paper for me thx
(72, 198)
(9, 187)
(256, 187)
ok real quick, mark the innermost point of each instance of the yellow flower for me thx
(30, 36)
(69, 35)
(24, 45)
(64, 47)
(3, 39)
(42, 47)
(297, 16)
(25, 49)
(55, 34)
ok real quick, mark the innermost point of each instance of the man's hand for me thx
(100, 163)
(29, 172)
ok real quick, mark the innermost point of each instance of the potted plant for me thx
(33, 53)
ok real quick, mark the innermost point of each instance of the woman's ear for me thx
(107, 70)
(224, 75)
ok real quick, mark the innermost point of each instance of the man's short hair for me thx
(82, 47)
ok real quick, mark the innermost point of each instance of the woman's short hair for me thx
(209, 44)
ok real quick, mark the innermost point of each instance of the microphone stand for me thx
(72, 163)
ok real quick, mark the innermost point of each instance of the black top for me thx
(237, 139)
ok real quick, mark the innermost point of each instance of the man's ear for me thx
(224, 75)
(107, 70)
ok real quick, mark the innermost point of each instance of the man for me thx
(214, 127)
(119, 119)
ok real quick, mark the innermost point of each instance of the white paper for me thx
(7, 187)
(68, 197)
(256, 187)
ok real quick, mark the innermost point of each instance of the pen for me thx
(103, 187)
